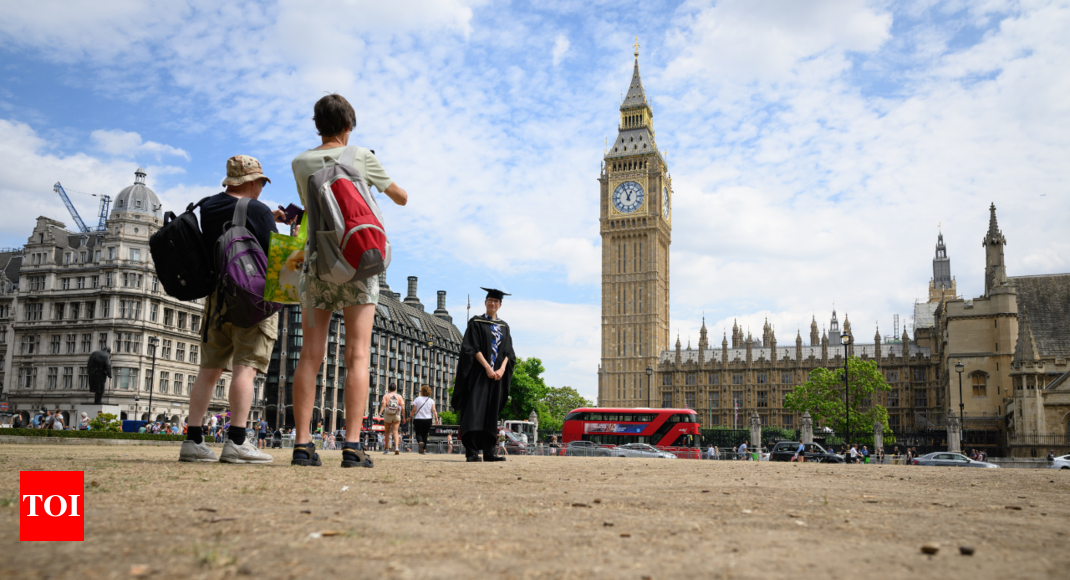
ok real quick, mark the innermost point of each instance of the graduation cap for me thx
(496, 294)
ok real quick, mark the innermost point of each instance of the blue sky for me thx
(814, 146)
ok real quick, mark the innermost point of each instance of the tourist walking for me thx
(484, 373)
(335, 119)
(224, 346)
(423, 414)
(743, 451)
(392, 409)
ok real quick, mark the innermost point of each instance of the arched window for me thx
(980, 388)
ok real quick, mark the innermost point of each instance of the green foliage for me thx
(558, 402)
(94, 434)
(448, 417)
(822, 397)
(527, 390)
(106, 422)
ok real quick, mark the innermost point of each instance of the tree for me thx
(558, 402)
(526, 391)
(822, 397)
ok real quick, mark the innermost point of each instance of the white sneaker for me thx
(244, 453)
(193, 451)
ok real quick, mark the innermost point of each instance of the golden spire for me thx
(636, 48)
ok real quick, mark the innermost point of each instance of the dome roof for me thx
(138, 197)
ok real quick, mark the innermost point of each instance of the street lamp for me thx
(959, 367)
(153, 341)
(136, 399)
(846, 340)
(649, 378)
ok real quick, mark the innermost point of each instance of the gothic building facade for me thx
(635, 192)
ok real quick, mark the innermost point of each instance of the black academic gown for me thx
(476, 398)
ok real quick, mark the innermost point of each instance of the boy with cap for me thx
(243, 351)
(484, 372)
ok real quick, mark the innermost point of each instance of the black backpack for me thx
(183, 264)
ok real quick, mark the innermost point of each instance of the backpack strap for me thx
(241, 209)
(194, 206)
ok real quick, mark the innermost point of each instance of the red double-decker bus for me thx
(663, 428)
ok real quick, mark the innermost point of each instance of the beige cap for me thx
(243, 169)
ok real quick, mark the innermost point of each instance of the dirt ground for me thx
(436, 516)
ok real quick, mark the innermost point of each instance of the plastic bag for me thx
(286, 255)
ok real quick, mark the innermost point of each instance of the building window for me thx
(182, 320)
(666, 400)
(737, 378)
(189, 384)
(108, 280)
(53, 373)
(111, 253)
(715, 400)
(893, 398)
(166, 350)
(737, 399)
(715, 421)
(177, 385)
(786, 378)
(763, 399)
(666, 379)
(690, 379)
(164, 380)
(714, 379)
(921, 398)
(193, 352)
(919, 375)
(66, 283)
(787, 420)
(148, 380)
(195, 323)
(90, 308)
(893, 376)
(68, 378)
(764, 419)
(105, 308)
(220, 389)
(72, 343)
(127, 378)
(980, 389)
(103, 341)
(180, 352)
(29, 377)
(83, 378)
(155, 284)
(168, 317)
(154, 309)
(53, 348)
(689, 400)
(87, 343)
(95, 281)
(763, 378)
(81, 282)
(893, 421)
(135, 255)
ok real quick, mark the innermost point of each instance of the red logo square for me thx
(51, 506)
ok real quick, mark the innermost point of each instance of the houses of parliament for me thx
(1013, 380)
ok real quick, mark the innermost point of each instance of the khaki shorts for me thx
(232, 345)
(389, 418)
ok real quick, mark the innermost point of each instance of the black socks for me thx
(236, 434)
(195, 434)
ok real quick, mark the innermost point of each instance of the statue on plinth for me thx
(99, 370)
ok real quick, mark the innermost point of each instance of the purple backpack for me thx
(242, 267)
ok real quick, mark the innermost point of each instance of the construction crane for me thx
(105, 204)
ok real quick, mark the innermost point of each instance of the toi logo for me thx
(51, 506)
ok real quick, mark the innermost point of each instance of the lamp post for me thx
(136, 399)
(846, 340)
(959, 367)
(649, 378)
(153, 341)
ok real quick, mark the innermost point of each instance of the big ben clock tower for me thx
(636, 228)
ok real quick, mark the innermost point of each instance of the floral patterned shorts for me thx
(335, 297)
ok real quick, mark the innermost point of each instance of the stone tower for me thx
(636, 224)
(942, 284)
(995, 268)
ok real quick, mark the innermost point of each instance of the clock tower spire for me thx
(636, 226)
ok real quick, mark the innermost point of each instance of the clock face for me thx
(665, 202)
(628, 197)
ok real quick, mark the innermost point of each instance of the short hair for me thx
(333, 115)
(425, 391)
(393, 387)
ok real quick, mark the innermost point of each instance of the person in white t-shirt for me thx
(423, 414)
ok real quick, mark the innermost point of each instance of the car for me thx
(585, 449)
(1060, 463)
(640, 450)
(785, 450)
(945, 459)
(514, 445)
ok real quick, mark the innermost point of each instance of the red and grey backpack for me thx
(346, 239)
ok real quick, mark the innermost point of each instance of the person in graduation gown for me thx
(484, 372)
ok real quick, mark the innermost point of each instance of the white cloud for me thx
(569, 335)
(560, 49)
(128, 144)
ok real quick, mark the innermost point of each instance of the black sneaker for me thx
(305, 455)
(354, 456)
(490, 457)
(474, 459)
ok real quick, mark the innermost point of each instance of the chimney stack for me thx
(441, 312)
(412, 299)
